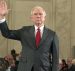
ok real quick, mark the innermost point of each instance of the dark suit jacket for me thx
(43, 58)
(72, 68)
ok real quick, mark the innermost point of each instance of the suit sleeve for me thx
(11, 34)
(55, 53)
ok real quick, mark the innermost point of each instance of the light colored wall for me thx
(73, 29)
(63, 26)
(60, 17)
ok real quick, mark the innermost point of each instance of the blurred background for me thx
(60, 18)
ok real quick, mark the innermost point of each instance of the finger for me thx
(3, 3)
(7, 11)
(1, 0)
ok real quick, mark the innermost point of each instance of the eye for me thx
(35, 13)
(40, 14)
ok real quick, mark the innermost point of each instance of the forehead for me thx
(38, 10)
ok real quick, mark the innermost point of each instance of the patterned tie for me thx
(38, 37)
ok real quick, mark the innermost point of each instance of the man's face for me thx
(69, 61)
(38, 16)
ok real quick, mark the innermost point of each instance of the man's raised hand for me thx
(3, 9)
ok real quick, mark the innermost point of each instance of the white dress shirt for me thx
(9, 69)
(1, 21)
(41, 30)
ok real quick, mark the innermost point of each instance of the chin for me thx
(38, 24)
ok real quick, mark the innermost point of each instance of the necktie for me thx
(38, 37)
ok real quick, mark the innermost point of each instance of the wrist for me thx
(2, 17)
(2, 20)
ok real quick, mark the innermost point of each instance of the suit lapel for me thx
(44, 36)
(32, 34)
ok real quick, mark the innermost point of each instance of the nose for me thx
(38, 15)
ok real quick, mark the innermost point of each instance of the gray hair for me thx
(38, 7)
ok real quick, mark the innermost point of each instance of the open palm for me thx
(3, 8)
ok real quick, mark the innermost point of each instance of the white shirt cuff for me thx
(3, 20)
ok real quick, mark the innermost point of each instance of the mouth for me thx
(38, 20)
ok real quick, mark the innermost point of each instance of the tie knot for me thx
(38, 29)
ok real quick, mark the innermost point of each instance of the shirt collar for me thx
(41, 28)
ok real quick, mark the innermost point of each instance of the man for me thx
(39, 44)
(71, 66)
(3, 64)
